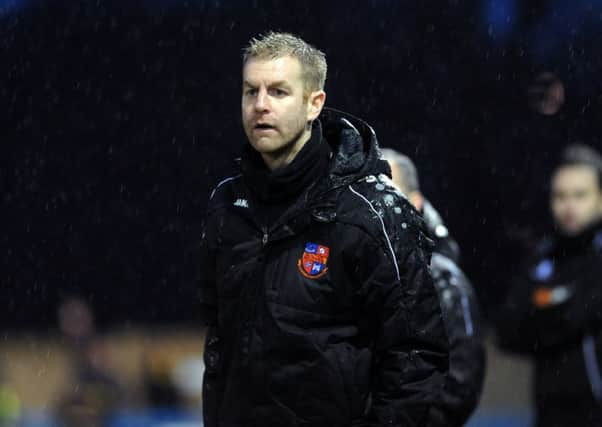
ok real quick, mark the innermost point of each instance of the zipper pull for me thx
(264, 240)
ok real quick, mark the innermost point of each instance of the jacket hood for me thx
(354, 145)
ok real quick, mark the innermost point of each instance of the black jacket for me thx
(329, 317)
(445, 244)
(554, 313)
(462, 319)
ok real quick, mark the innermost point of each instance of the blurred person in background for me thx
(553, 311)
(95, 394)
(315, 279)
(461, 315)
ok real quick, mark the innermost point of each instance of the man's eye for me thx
(251, 92)
(278, 92)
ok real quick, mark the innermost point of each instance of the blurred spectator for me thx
(546, 94)
(76, 321)
(553, 311)
(95, 393)
(460, 309)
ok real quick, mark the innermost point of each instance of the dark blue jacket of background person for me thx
(328, 317)
(463, 324)
(554, 313)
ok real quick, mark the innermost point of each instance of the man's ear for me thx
(315, 103)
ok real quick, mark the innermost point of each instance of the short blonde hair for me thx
(277, 45)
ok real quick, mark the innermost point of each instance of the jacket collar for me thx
(356, 154)
(589, 238)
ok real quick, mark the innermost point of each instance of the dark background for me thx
(119, 117)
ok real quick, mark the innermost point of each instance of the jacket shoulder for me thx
(450, 278)
(375, 204)
(223, 193)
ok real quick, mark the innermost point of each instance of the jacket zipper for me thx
(251, 316)
(264, 239)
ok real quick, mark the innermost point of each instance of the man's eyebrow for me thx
(280, 83)
(283, 83)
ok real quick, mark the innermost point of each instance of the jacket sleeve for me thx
(411, 347)
(585, 312)
(467, 353)
(207, 290)
(524, 328)
(211, 353)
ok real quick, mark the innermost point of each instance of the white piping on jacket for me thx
(232, 178)
(591, 366)
(384, 230)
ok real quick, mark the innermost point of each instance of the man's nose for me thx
(261, 101)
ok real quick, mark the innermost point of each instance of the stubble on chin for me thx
(284, 150)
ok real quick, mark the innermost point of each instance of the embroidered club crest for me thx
(313, 262)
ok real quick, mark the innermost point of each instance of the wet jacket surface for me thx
(328, 317)
(461, 314)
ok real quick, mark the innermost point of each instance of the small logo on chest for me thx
(545, 297)
(241, 203)
(313, 261)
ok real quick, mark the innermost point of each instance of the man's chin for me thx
(571, 230)
(267, 147)
(275, 146)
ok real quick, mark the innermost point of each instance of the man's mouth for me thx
(263, 126)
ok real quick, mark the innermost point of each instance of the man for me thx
(98, 393)
(460, 396)
(314, 270)
(405, 178)
(554, 310)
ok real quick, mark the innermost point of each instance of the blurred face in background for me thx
(576, 198)
(276, 108)
(415, 197)
(396, 177)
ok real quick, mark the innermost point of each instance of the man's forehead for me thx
(285, 68)
(575, 170)
(581, 174)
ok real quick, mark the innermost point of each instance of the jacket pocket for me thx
(232, 276)
(354, 368)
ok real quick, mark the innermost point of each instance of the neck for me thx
(284, 157)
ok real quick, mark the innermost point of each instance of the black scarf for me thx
(276, 190)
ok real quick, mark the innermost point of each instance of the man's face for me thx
(415, 197)
(274, 111)
(576, 198)
(397, 177)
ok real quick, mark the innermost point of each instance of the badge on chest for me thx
(313, 262)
